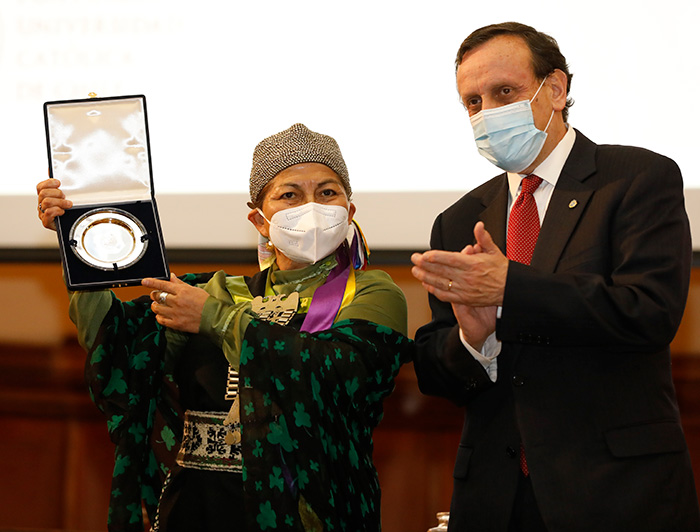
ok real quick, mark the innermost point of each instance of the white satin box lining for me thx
(99, 150)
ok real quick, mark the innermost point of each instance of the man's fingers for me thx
(438, 259)
(429, 271)
(434, 282)
(483, 238)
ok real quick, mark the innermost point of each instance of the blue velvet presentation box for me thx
(99, 149)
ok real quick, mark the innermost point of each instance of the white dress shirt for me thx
(549, 170)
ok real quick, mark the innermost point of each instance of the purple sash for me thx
(327, 298)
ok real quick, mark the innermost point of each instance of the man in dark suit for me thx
(560, 353)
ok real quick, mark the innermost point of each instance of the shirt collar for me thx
(549, 169)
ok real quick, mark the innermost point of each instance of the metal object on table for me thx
(443, 519)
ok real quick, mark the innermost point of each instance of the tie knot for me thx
(530, 183)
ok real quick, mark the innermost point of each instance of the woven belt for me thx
(204, 442)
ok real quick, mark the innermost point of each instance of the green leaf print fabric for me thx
(128, 381)
(309, 403)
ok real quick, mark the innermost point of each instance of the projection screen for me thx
(377, 75)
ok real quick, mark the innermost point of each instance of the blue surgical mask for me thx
(507, 135)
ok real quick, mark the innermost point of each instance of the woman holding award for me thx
(241, 403)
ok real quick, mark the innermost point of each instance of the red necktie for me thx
(523, 230)
(523, 461)
(524, 222)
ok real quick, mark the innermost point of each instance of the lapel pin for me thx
(573, 203)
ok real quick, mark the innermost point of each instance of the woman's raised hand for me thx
(52, 202)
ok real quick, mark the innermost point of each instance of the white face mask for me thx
(309, 232)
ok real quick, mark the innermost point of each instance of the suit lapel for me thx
(569, 200)
(494, 214)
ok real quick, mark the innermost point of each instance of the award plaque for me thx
(99, 149)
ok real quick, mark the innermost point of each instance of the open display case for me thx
(99, 149)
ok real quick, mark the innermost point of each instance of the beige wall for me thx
(33, 303)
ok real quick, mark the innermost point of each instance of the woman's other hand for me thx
(52, 202)
(177, 305)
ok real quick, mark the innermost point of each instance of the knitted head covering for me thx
(295, 145)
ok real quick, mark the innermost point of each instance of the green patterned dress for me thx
(309, 401)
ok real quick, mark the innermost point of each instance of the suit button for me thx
(511, 452)
(471, 385)
(518, 380)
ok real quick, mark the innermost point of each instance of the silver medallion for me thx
(108, 239)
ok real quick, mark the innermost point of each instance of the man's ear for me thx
(557, 82)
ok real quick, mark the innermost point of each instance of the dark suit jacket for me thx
(584, 378)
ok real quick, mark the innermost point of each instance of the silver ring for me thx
(41, 208)
(449, 285)
(162, 297)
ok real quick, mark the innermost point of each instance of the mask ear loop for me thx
(261, 214)
(539, 88)
(550, 121)
(551, 116)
